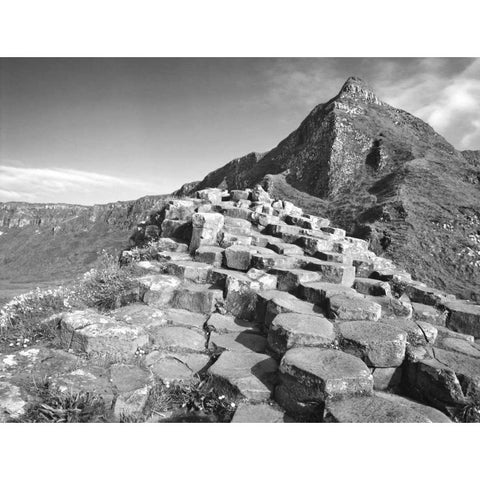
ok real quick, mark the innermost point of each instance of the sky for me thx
(99, 130)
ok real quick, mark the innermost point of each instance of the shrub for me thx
(108, 286)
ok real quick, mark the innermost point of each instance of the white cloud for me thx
(59, 185)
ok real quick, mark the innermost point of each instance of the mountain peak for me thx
(357, 88)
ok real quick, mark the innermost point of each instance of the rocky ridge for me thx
(290, 317)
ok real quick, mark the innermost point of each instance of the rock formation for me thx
(383, 175)
(290, 317)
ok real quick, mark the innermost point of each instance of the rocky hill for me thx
(383, 175)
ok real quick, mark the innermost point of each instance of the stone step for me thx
(197, 298)
(189, 270)
(290, 330)
(248, 375)
(259, 413)
(309, 377)
(377, 344)
(332, 272)
(381, 408)
(464, 317)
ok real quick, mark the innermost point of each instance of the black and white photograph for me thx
(239, 239)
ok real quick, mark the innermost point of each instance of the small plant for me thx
(199, 401)
(468, 412)
(65, 407)
(108, 286)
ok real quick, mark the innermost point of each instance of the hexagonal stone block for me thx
(258, 413)
(140, 315)
(206, 229)
(283, 302)
(344, 308)
(112, 339)
(464, 317)
(377, 344)
(370, 286)
(427, 313)
(245, 341)
(392, 307)
(327, 256)
(327, 373)
(238, 257)
(283, 248)
(161, 289)
(421, 293)
(378, 409)
(210, 254)
(179, 338)
(229, 324)
(267, 261)
(418, 333)
(188, 270)
(289, 279)
(250, 375)
(127, 377)
(197, 298)
(320, 292)
(460, 346)
(290, 330)
(333, 272)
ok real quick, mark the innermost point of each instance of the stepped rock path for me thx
(290, 317)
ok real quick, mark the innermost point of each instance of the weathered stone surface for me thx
(245, 341)
(229, 324)
(374, 409)
(251, 375)
(427, 313)
(418, 333)
(238, 212)
(283, 302)
(176, 229)
(333, 272)
(197, 298)
(228, 239)
(386, 378)
(161, 290)
(289, 279)
(443, 332)
(171, 245)
(285, 248)
(333, 257)
(90, 379)
(328, 373)
(150, 266)
(260, 195)
(239, 257)
(111, 339)
(370, 286)
(313, 245)
(188, 270)
(237, 195)
(377, 344)
(289, 330)
(350, 245)
(184, 318)
(179, 338)
(127, 378)
(267, 261)
(210, 255)
(140, 315)
(420, 293)
(13, 402)
(344, 308)
(212, 195)
(392, 307)
(260, 413)
(163, 360)
(206, 229)
(320, 292)
(131, 403)
(460, 346)
(180, 210)
(464, 317)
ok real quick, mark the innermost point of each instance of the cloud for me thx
(60, 185)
